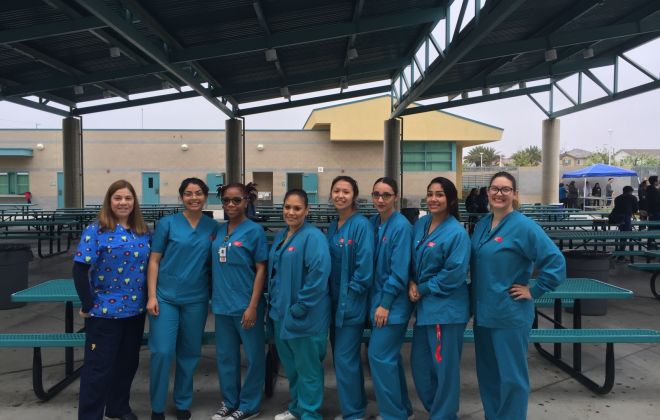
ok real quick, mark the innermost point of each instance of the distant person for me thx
(28, 197)
(609, 190)
(482, 200)
(471, 206)
(643, 206)
(596, 191)
(653, 204)
(116, 244)
(625, 206)
(571, 197)
(562, 194)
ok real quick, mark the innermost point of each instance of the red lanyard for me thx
(438, 346)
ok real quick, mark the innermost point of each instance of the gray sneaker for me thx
(241, 415)
(223, 413)
(285, 416)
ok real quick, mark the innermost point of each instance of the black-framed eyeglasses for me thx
(235, 200)
(503, 190)
(385, 196)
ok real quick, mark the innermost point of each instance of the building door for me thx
(150, 188)
(60, 189)
(310, 182)
(294, 180)
(214, 180)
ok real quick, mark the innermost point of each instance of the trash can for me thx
(592, 265)
(14, 259)
(411, 213)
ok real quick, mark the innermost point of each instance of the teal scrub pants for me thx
(501, 356)
(302, 359)
(229, 334)
(346, 342)
(438, 382)
(387, 371)
(176, 333)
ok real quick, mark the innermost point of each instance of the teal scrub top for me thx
(233, 279)
(441, 263)
(354, 241)
(505, 256)
(298, 273)
(392, 252)
(185, 266)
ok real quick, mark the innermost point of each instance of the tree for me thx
(529, 156)
(488, 155)
(640, 159)
(600, 156)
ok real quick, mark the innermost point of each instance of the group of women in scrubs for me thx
(380, 271)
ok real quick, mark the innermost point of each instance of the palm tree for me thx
(529, 156)
(482, 156)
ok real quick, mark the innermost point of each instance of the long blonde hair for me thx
(107, 219)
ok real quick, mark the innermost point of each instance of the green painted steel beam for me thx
(40, 107)
(647, 87)
(476, 100)
(307, 36)
(317, 100)
(543, 71)
(498, 12)
(329, 75)
(563, 39)
(50, 30)
(132, 35)
(62, 82)
(134, 102)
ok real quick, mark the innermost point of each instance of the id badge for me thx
(222, 254)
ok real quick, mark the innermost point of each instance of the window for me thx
(428, 156)
(567, 162)
(14, 182)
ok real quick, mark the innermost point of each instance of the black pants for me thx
(112, 354)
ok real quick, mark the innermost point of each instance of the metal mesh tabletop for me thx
(58, 290)
(582, 288)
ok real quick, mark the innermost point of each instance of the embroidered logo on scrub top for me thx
(431, 244)
(499, 239)
(291, 248)
(350, 242)
(384, 238)
(238, 243)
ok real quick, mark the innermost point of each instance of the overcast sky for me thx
(634, 122)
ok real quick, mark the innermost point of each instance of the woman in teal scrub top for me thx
(389, 306)
(299, 306)
(239, 258)
(441, 258)
(178, 283)
(506, 247)
(351, 242)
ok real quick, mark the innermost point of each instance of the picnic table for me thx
(51, 230)
(58, 290)
(579, 289)
(583, 239)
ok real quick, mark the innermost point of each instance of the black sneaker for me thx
(222, 413)
(157, 416)
(241, 415)
(183, 414)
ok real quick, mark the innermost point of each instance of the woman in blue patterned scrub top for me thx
(178, 280)
(109, 271)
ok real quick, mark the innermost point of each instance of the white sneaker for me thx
(223, 413)
(410, 417)
(339, 417)
(285, 416)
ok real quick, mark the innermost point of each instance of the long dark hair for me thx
(300, 193)
(354, 186)
(450, 193)
(195, 181)
(388, 181)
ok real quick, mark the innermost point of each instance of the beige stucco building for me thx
(343, 139)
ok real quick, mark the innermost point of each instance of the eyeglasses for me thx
(503, 190)
(189, 194)
(235, 200)
(385, 196)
